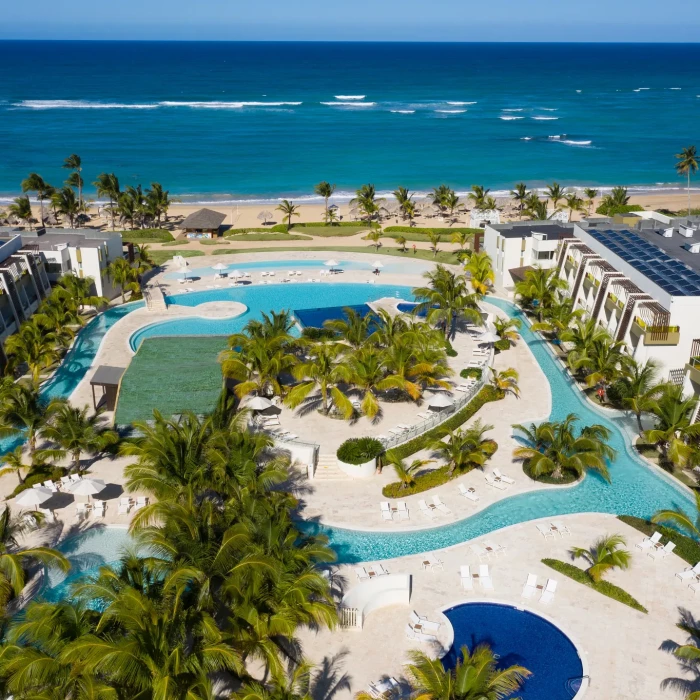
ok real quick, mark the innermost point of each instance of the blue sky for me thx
(368, 20)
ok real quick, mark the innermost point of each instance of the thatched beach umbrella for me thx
(264, 216)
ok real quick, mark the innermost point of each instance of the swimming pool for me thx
(519, 638)
(315, 318)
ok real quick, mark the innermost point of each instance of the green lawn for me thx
(172, 375)
(172, 244)
(267, 237)
(161, 256)
(331, 231)
(147, 235)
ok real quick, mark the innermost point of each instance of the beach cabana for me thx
(108, 378)
(204, 223)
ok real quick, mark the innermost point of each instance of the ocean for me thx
(216, 121)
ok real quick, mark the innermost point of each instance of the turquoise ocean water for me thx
(234, 121)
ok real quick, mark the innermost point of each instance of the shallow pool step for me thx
(327, 468)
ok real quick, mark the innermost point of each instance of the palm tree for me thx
(466, 449)
(22, 412)
(409, 210)
(288, 209)
(74, 163)
(120, 272)
(13, 463)
(353, 329)
(325, 189)
(145, 258)
(73, 431)
(35, 183)
(462, 239)
(643, 390)
(519, 194)
(535, 208)
(375, 237)
(480, 269)
(65, 203)
(76, 292)
(476, 676)
(404, 198)
(14, 560)
(687, 165)
(22, 209)
(591, 193)
(401, 240)
(505, 381)
(324, 369)
(555, 193)
(368, 377)
(605, 555)
(451, 202)
(292, 686)
(157, 202)
(614, 202)
(507, 329)
(539, 290)
(553, 448)
(689, 524)
(434, 239)
(478, 196)
(574, 203)
(405, 473)
(35, 347)
(366, 200)
(602, 363)
(107, 185)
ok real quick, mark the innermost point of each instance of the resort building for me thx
(203, 223)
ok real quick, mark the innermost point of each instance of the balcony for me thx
(693, 369)
(612, 302)
(656, 335)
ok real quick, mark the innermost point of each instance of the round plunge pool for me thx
(522, 638)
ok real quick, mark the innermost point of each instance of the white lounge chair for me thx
(378, 570)
(663, 552)
(649, 542)
(410, 632)
(403, 510)
(530, 586)
(81, 510)
(430, 561)
(694, 586)
(548, 593)
(689, 572)
(361, 573)
(440, 505)
(65, 480)
(492, 482)
(386, 510)
(99, 510)
(560, 527)
(75, 477)
(141, 502)
(466, 578)
(51, 486)
(470, 494)
(479, 551)
(545, 530)
(424, 622)
(124, 506)
(493, 548)
(427, 512)
(502, 477)
(485, 577)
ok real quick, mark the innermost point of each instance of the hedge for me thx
(359, 450)
(470, 372)
(605, 210)
(322, 224)
(420, 229)
(687, 548)
(604, 587)
(486, 395)
(502, 345)
(157, 235)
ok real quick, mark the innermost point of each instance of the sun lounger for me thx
(361, 573)
(649, 542)
(410, 632)
(470, 494)
(559, 527)
(424, 416)
(378, 570)
(502, 477)
(263, 274)
(124, 506)
(548, 593)
(530, 586)
(663, 552)
(492, 482)
(463, 388)
(403, 510)
(99, 511)
(485, 577)
(689, 572)
(479, 551)
(65, 480)
(466, 578)
(545, 530)
(51, 486)
(440, 505)
(430, 561)
(81, 509)
(386, 510)
(492, 548)
(75, 477)
(424, 622)
(427, 512)
(694, 586)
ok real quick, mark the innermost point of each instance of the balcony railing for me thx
(658, 335)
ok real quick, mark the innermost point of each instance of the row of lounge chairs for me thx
(372, 571)
(547, 590)
(556, 527)
(421, 628)
(487, 549)
(56, 486)
(388, 511)
(498, 480)
(429, 509)
(653, 547)
(483, 577)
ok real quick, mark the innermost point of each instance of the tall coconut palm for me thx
(687, 165)
(288, 209)
(614, 202)
(375, 237)
(59, 318)
(277, 325)
(481, 274)
(324, 189)
(121, 273)
(368, 376)
(409, 211)
(466, 449)
(574, 204)
(643, 389)
(157, 201)
(22, 412)
(353, 329)
(434, 237)
(602, 363)
(462, 239)
(584, 334)
(603, 556)
(555, 193)
(14, 463)
(33, 346)
(22, 209)
(451, 202)
(558, 316)
(74, 431)
(35, 183)
(535, 208)
(76, 292)
(554, 448)
(107, 185)
(591, 193)
(519, 195)
(74, 163)
(66, 204)
(506, 381)
(403, 197)
(476, 676)
(366, 201)
(478, 196)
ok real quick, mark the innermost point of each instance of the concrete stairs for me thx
(327, 469)
(155, 300)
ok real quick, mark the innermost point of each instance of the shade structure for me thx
(87, 487)
(219, 266)
(377, 264)
(487, 338)
(34, 497)
(235, 273)
(331, 263)
(259, 403)
(440, 401)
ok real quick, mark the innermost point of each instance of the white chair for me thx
(530, 586)
(502, 477)
(124, 506)
(560, 527)
(378, 569)
(694, 586)
(549, 590)
(440, 505)
(485, 577)
(464, 491)
(99, 510)
(493, 548)
(75, 478)
(141, 502)
(65, 480)
(492, 482)
(432, 562)
(466, 578)
(649, 542)
(689, 572)
(271, 273)
(545, 530)
(386, 510)
(427, 512)
(361, 573)
(410, 632)
(81, 510)
(663, 552)
(479, 551)
(263, 274)
(424, 622)
(51, 486)
(403, 510)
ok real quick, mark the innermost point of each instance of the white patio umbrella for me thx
(487, 338)
(184, 265)
(34, 497)
(259, 403)
(235, 273)
(331, 263)
(86, 487)
(440, 401)
(219, 267)
(377, 264)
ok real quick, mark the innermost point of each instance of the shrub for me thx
(604, 587)
(158, 235)
(444, 230)
(449, 350)
(470, 372)
(687, 548)
(359, 450)
(486, 395)
(617, 391)
(568, 476)
(502, 345)
(606, 210)
(313, 333)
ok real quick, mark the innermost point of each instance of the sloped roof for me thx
(204, 218)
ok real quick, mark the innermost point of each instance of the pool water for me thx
(315, 318)
(519, 638)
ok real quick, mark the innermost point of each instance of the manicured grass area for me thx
(415, 233)
(267, 237)
(147, 235)
(331, 231)
(171, 244)
(604, 587)
(161, 256)
(687, 548)
(172, 375)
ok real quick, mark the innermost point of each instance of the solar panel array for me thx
(673, 276)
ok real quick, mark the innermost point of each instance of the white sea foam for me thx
(349, 97)
(226, 105)
(402, 111)
(80, 104)
(507, 118)
(451, 111)
(578, 90)
(459, 103)
(675, 88)
(549, 109)
(526, 138)
(349, 104)
(560, 138)
(519, 109)
(545, 119)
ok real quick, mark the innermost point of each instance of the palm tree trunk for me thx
(688, 191)
(41, 212)
(76, 460)
(639, 423)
